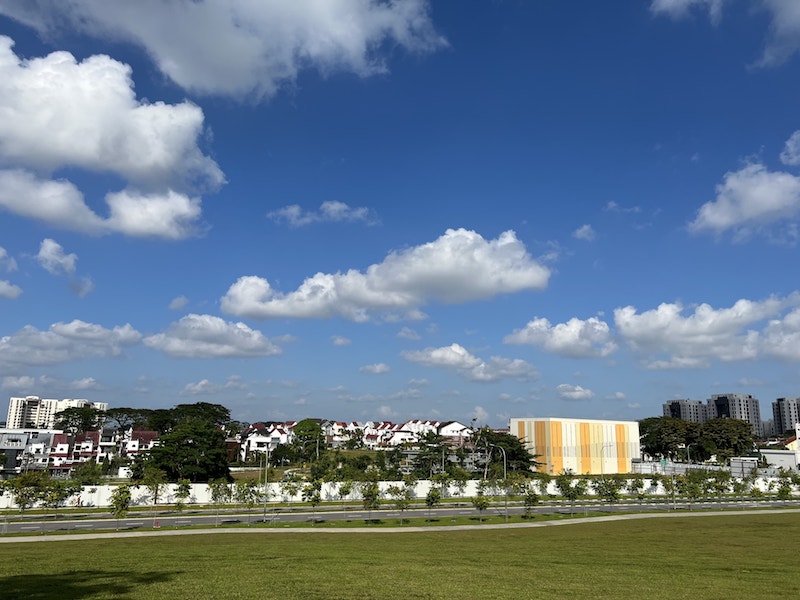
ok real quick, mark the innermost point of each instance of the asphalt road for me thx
(276, 517)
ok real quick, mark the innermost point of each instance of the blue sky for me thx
(358, 210)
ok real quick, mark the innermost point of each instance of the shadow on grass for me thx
(80, 584)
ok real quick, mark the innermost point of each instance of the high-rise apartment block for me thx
(736, 406)
(785, 414)
(686, 410)
(725, 406)
(40, 413)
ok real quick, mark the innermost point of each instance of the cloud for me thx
(678, 9)
(60, 113)
(202, 387)
(338, 340)
(376, 369)
(692, 341)
(748, 200)
(329, 212)
(81, 286)
(616, 396)
(206, 336)
(584, 232)
(64, 342)
(178, 303)
(457, 358)
(87, 383)
(566, 391)
(614, 207)
(407, 333)
(783, 37)
(7, 263)
(22, 384)
(480, 415)
(258, 47)
(53, 259)
(460, 266)
(791, 150)
(574, 339)
(9, 291)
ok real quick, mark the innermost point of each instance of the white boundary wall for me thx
(100, 495)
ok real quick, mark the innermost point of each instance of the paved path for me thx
(428, 529)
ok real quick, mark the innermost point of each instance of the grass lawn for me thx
(719, 557)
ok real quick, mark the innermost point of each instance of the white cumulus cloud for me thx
(667, 338)
(61, 113)
(9, 291)
(575, 338)
(178, 303)
(748, 200)
(459, 359)
(64, 342)
(584, 232)
(566, 391)
(54, 260)
(339, 340)
(460, 266)
(207, 336)
(7, 263)
(244, 48)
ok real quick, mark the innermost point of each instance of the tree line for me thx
(676, 439)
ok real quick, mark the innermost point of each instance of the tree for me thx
(370, 497)
(220, 493)
(517, 456)
(194, 449)
(79, 419)
(246, 493)
(289, 489)
(432, 500)
(402, 498)
(28, 488)
(662, 437)
(345, 489)
(480, 503)
(312, 493)
(155, 480)
(56, 492)
(727, 437)
(120, 501)
(87, 473)
(571, 487)
(636, 487)
(309, 439)
(608, 488)
(127, 418)
(530, 499)
(182, 491)
(216, 414)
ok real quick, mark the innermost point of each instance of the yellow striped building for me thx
(584, 446)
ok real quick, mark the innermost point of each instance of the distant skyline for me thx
(360, 210)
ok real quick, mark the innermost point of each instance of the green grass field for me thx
(719, 557)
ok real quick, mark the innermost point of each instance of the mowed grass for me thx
(719, 557)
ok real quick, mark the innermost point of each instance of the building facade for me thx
(583, 446)
(694, 411)
(737, 406)
(785, 414)
(32, 411)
